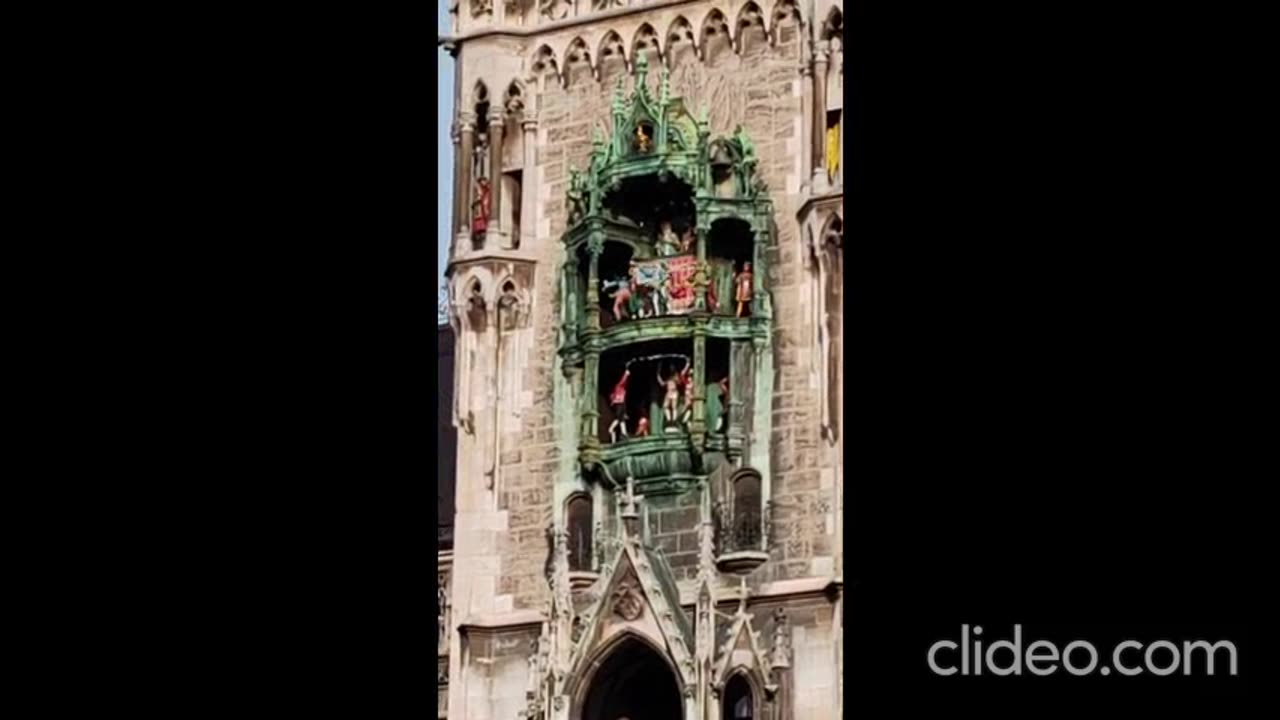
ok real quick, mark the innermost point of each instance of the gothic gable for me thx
(636, 599)
(741, 650)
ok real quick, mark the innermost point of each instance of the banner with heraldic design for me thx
(670, 281)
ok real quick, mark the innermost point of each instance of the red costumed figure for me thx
(685, 378)
(618, 403)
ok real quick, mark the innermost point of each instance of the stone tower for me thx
(645, 290)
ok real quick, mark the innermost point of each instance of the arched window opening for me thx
(732, 283)
(633, 683)
(578, 519)
(744, 509)
(738, 700)
(511, 173)
(833, 301)
(477, 311)
(482, 193)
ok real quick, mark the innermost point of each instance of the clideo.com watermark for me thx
(973, 654)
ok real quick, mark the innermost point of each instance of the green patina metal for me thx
(656, 140)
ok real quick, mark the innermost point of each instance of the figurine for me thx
(724, 403)
(480, 208)
(671, 396)
(621, 295)
(642, 140)
(577, 199)
(618, 403)
(742, 288)
(668, 244)
(686, 241)
(624, 293)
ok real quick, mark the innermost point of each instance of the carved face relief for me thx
(626, 599)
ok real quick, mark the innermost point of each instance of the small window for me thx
(745, 510)
(579, 524)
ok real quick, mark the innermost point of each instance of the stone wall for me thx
(494, 680)
(673, 529)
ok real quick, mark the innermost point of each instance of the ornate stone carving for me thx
(781, 639)
(442, 614)
(627, 601)
(555, 9)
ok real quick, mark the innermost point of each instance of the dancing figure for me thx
(671, 396)
(743, 288)
(618, 403)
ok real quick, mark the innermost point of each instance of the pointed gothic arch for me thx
(749, 26)
(544, 62)
(646, 41)
(577, 58)
(833, 25)
(680, 38)
(578, 509)
(715, 35)
(513, 98)
(611, 56)
(742, 698)
(479, 93)
(627, 671)
(785, 13)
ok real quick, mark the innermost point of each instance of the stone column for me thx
(741, 386)
(820, 115)
(496, 117)
(697, 422)
(759, 236)
(844, 115)
(593, 282)
(591, 342)
(462, 171)
(806, 107)
(455, 134)
(529, 190)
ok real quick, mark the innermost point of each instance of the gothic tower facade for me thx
(645, 289)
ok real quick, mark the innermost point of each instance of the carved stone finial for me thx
(642, 69)
(630, 501)
(781, 640)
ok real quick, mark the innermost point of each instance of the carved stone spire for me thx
(781, 640)
(642, 70)
(630, 504)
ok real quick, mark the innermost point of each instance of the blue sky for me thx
(444, 171)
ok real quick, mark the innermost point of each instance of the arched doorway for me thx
(739, 702)
(633, 683)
